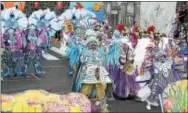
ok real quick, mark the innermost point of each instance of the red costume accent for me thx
(150, 29)
(120, 27)
(79, 5)
(136, 28)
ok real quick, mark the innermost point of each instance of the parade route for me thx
(57, 80)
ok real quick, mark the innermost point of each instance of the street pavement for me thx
(57, 80)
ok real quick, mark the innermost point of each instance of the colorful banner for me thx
(95, 7)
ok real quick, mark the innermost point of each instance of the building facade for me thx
(122, 12)
(29, 6)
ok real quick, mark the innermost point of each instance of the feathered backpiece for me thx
(62, 19)
(12, 19)
(86, 23)
(77, 16)
(150, 29)
(45, 20)
(82, 13)
(14, 22)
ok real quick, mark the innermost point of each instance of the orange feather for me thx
(79, 5)
(21, 5)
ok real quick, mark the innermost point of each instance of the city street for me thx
(57, 80)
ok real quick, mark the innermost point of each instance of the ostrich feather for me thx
(49, 14)
(35, 16)
(20, 19)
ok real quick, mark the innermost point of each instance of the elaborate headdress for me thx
(150, 29)
(86, 23)
(120, 27)
(91, 36)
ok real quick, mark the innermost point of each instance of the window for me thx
(130, 8)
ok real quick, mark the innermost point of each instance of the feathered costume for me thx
(92, 72)
(123, 73)
(14, 22)
(159, 71)
(42, 26)
(114, 54)
(71, 46)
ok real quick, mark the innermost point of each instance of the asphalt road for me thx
(58, 81)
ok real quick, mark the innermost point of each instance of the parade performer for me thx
(33, 52)
(156, 78)
(152, 87)
(125, 84)
(14, 22)
(42, 26)
(92, 77)
(71, 19)
(113, 53)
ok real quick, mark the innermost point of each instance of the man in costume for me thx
(125, 85)
(13, 23)
(92, 77)
(70, 39)
(42, 28)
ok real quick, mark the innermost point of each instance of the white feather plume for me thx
(49, 16)
(35, 16)
(81, 15)
(140, 51)
(21, 18)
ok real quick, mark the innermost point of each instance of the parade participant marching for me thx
(14, 22)
(114, 51)
(125, 84)
(70, 45)
(92, 77)
(42, 26)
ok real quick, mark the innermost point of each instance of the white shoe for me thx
(97, 103)
(148, 107)
(143, 100)
(155, 104)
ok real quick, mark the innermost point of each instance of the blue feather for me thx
(113, 54)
